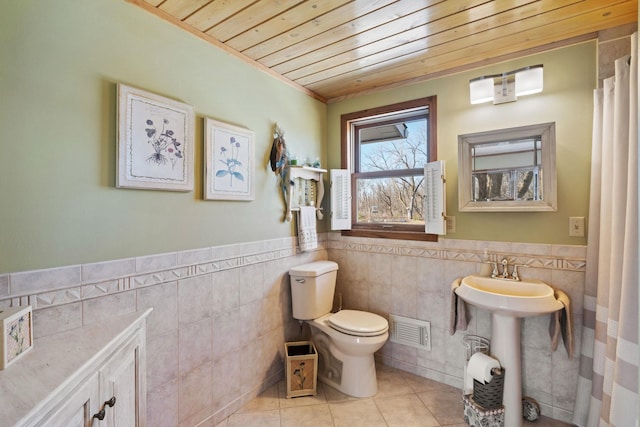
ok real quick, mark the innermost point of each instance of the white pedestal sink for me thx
(509, 301)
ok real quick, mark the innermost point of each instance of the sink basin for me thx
(523, 298)
(509, 301)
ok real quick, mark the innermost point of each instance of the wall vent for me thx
(411, 332)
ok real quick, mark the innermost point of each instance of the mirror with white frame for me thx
(508, 170)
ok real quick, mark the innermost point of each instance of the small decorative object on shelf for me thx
(17, 334)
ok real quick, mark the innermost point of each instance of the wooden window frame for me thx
(405, 232)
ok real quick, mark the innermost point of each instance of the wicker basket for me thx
(489, 395)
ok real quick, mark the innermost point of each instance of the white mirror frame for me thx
(547, 131)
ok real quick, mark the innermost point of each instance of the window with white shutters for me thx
(384, 153)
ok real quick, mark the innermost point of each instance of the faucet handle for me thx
(494, 272)
(515, 275)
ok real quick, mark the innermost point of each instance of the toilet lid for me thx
(360, 323)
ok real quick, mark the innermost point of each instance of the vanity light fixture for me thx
(506, 87)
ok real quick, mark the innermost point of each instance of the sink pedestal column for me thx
(505, 346)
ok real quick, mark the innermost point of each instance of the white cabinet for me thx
(94, 376)
(120, 382)
(78, 408)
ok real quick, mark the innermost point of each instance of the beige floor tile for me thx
(445, 404)
(403, 400)
(306, 416)
(391, 384)
(405, 411)
(255, 419)
(545, 422)
(334, 396)
(419, 384)
(268, 400)
(357, 413)
(318, 399)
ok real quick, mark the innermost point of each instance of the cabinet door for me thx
(78, 408)
(122, 379)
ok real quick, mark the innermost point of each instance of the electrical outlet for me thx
(576, 226)
(451, 224)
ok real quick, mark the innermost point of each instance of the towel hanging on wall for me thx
(307, 234)
(562, 324)
(458, 310)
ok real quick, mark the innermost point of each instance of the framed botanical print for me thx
(155, 141)
(229, 162)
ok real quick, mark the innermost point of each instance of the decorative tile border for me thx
(542, 256)
(101, 279)
(63, 285)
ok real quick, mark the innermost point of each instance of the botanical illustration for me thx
(301, 374)
(229, 162)
(155, 141)
(19, 336)
(229, 158)
(165, 146)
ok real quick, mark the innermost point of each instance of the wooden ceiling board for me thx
(318, 25)
(351, 29)
(395, 45)
(306, 12)
(215, 12)
(519, 41)
(250, 17)
(182, 8)
(335, 49)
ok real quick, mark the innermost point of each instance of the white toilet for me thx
(345, 340)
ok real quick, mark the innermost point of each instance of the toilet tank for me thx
(312, 288)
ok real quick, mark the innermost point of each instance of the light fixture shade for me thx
(529, 80)
(481, 90)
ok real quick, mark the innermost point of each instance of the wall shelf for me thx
(304, 187)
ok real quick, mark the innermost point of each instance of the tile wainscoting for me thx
(215, 338)
(221, 314)
(413, 279)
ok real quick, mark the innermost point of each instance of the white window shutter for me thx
(435, 198)
(340, 182)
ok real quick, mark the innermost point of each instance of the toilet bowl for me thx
(347, 360)
(346, 340)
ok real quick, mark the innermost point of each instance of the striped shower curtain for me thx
(607, 393)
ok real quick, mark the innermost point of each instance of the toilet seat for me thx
(358, 323)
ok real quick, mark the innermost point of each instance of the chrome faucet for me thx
(505, 271)
(505, 268)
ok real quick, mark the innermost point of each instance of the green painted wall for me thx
(567, 99)
(59, 65)
(61, 61)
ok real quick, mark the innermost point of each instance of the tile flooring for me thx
(403, 400)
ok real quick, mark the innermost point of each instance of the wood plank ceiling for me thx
(335, 49)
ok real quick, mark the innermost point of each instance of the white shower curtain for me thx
(607, 393)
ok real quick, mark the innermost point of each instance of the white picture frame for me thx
(229, 161)
(155, 141)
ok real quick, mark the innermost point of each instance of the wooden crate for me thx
(301, 368)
